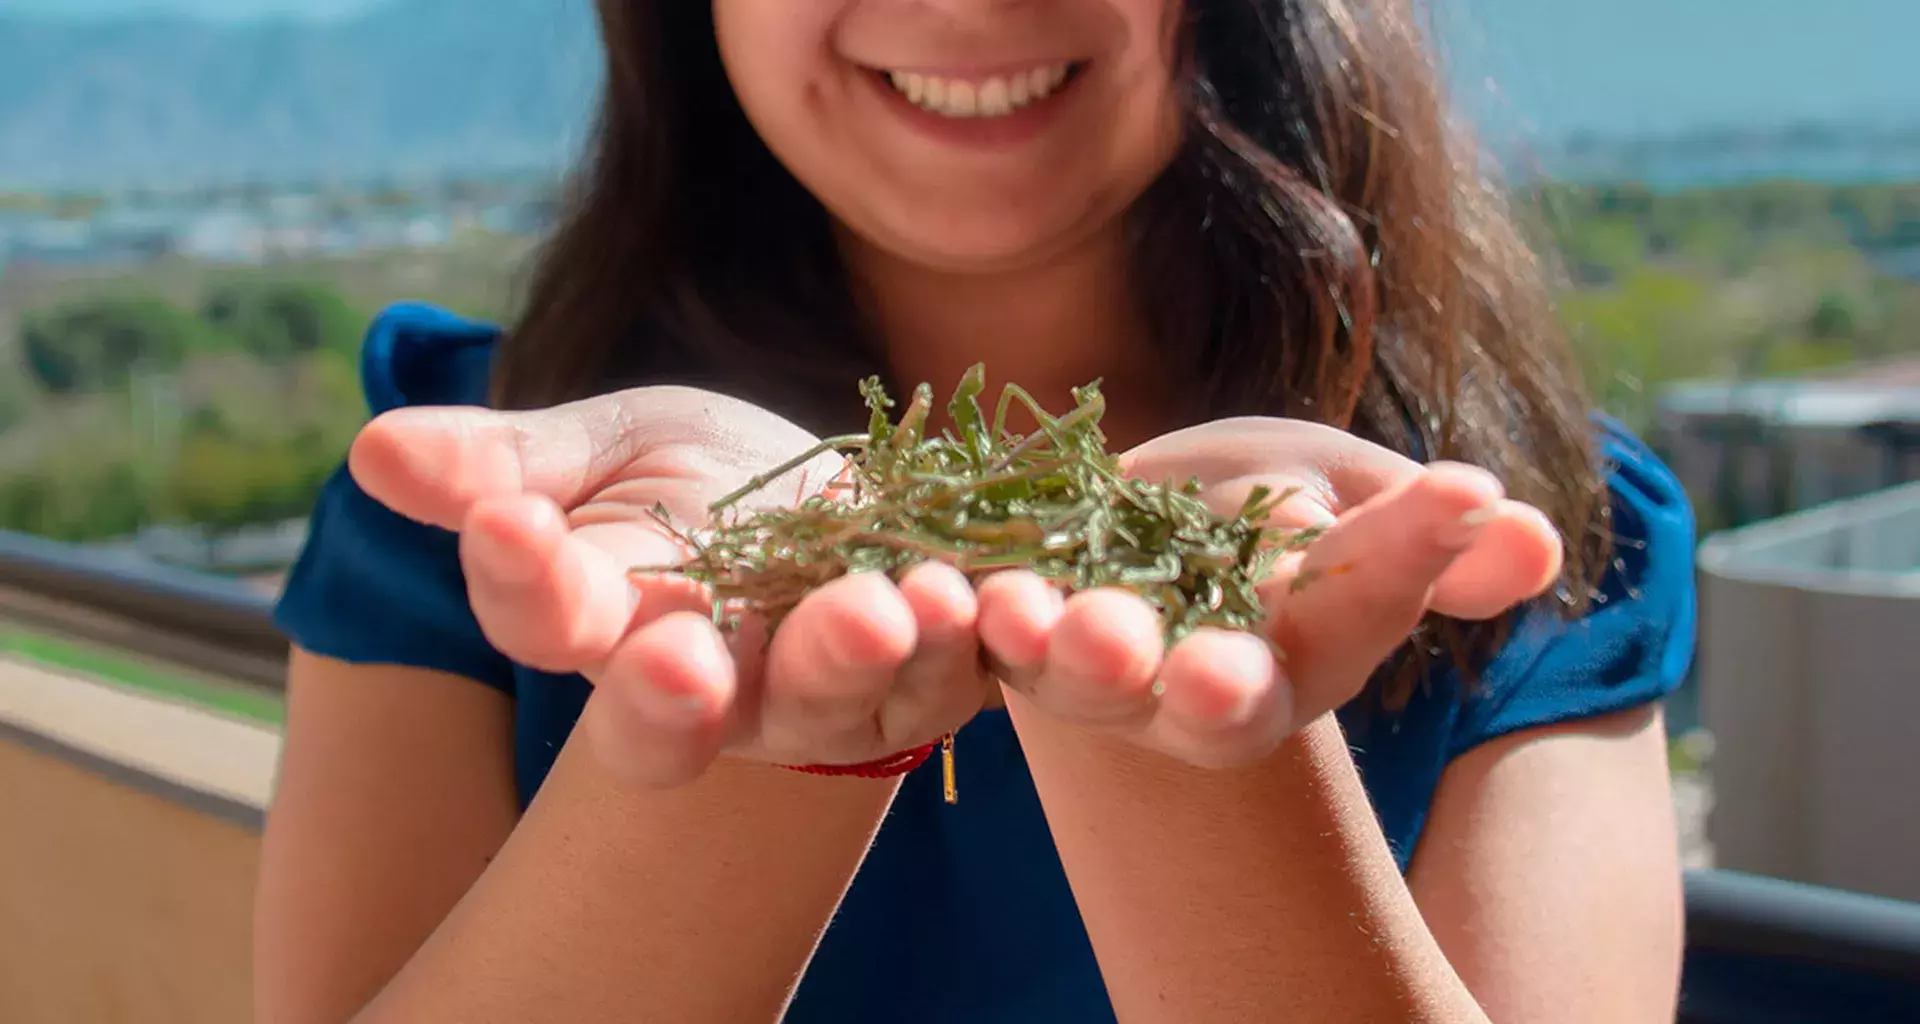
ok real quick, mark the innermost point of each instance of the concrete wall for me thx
(117, 906)
(128, 848)
(1810, 685)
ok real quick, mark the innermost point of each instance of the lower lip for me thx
(1000, 132)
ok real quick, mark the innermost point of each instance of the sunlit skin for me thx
(552, 589)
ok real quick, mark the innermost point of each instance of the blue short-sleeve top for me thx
(962, 913)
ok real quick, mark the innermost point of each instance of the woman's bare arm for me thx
(395, 790)
(396, 885)
(1269, 893)
(1550, 872)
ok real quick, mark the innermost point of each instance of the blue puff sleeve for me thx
(1634, 644)
(371, 586)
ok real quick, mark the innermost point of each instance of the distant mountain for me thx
(233, 10)
(414, 86)
(93, 92)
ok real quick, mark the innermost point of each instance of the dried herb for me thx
(983, 499)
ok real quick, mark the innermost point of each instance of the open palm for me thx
(555, 507)
(1401, 539)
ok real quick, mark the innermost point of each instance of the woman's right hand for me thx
(554, 507)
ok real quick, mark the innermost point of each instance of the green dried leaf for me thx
(983, 499)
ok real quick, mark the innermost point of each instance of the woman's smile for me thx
(967, 136)
(992, 108)
(995, 95)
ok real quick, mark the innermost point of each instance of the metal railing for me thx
(1757, 948)
(1765, 950)
(1744, 915)
(214, 625)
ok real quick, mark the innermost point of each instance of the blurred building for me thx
(1753, 450)
(264, 225)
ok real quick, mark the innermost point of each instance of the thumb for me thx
(433, 463)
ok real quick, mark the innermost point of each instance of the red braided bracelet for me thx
(884, 768)
(898, 764)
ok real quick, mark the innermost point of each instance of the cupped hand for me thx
(554, 508)
(1401, 539)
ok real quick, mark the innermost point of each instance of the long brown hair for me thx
(1325, 245)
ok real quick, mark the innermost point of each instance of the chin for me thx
(979, 244)
(984, 255)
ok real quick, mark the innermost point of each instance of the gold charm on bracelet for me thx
(947, 777)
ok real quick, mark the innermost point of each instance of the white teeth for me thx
(991, 97)
(995, 97)
(960, 99)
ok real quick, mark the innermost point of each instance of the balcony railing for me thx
(1758, 949)
(1806, 676)
(205, 623)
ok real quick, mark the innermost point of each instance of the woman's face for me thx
(961, 134)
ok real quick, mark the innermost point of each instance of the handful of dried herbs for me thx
(983, 499)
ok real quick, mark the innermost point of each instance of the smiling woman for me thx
(1250, 220)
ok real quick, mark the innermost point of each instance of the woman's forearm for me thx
(694, 905)
(1266, 893)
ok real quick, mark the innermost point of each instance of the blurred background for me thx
(202, 202)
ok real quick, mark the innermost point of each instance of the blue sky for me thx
(1615, 66)
(202, 8)
(1658, 65)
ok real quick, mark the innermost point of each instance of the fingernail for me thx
(505, 561)
(669, 708)
(1476, 478)
(1461, 532)
(1248, 659)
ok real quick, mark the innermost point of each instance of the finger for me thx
(1224, 700)
(1346, 469)
(941, 681)
(557, 598)
(645, 553)
(1018, 611)
(1363, 586)
(829, 667)
(1102, 659)
(661, 700)
(432, 463)
(543, 595)
(1515, 558)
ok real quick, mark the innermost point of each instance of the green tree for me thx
(15, 396)
(1604, 248)
(1711, 242)
(224, 484)
(1651, 328)
(1794, 356)
(94, 344)
(80, 493)
(212, 483)
(279, 321)
(26, 501)
(1836, 317)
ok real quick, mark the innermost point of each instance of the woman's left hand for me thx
(1402, 539)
